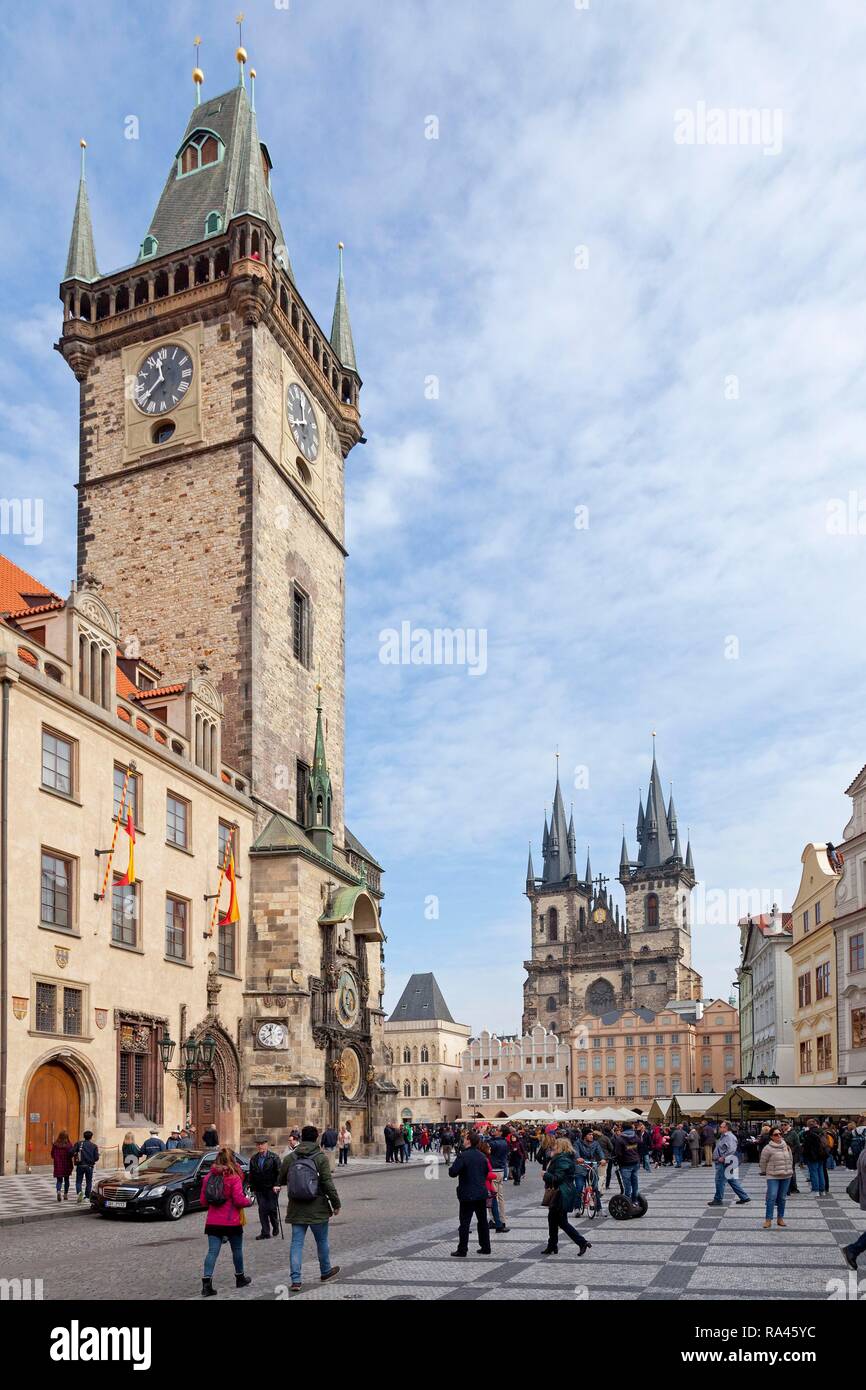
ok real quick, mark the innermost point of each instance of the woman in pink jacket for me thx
(62, 1163)
(225, 1218)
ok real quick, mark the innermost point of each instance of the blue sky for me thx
(670, 335)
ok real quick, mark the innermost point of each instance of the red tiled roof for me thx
(125, 687)
(16, 583)
(162, 690)
(51, 607)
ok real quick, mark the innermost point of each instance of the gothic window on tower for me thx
(302, 787)
(552, 925)
(201, 149)
(652, 910)
(301, 627)
(552, 1004)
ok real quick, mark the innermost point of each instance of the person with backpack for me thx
(626, 1152)
(313, 1200)
(856, 1143)
(85, 1157)
(222, 1196)
(851, 1252)
(814, 1154)
(264, 1184)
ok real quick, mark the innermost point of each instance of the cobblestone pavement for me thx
(397, 1229)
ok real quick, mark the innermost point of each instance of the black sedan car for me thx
(166, 1184)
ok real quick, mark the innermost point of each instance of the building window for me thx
(124, 914)
(660, 1061)
(302, 788)
(596, 1063)
(226, 948)
(407, 1090)
(224, 832)
(200, 150)
(500, 1092)
(176, 911)
(855, 953)
(213, 223)
(629, 1061)
(470, 1092)
(675, 1037)
(301, 636)
(652, 910)
(543, 1091)
(805, 921)
(706, 1061)
(138, 1072)
(822, 980)
(858, 1027)
(407, 1056)
(529, 1091)
(676, 1084)
(559, 1090)
(817, 914)
(132, 799)
(552, 1004)
(581, 1063)
(629, 1089)
(57, 762)
(644, 1061)
(611, 1063)
(59, 1009)
(177, 821)
(729, 1038)
(583, 1091)
(825, 1052)
(806, 1057)
(552, 925)
(56, 908)
(596, 1089)
(675, 1059)
(46, 1008)
(729, 1060)
(425, 1089)
(804, 990)
(72, 1012)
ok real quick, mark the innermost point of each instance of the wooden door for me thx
(53, 1104)
(203, 1106)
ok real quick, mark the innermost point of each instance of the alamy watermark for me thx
(438, 646)
(22, 516)
(718, 125)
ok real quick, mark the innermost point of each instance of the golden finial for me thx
(197, 74)
(241, 54)
(340, 246)
(252, 72)
(83, 144)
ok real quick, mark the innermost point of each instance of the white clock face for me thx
(272, 1035)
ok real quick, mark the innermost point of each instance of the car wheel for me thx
(175, 1206)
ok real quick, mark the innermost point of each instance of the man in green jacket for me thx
(313, 1200)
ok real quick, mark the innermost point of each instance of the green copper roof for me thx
(81, 259)
(235, 184)
(341, 328)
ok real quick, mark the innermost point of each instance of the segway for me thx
(621, 1208)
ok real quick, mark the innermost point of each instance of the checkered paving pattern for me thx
(682, 1249)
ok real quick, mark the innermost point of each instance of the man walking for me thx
(815, 1152)
(86, 1156)
(499, 1165)
(264, 1183)
(708, 1139)
(389, 1142)
(678, 1144)
(727, 1168)
(313, 1200)
(329, 1141)
(626, 1149)
(470, 1168)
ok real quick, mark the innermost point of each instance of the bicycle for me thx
(589, 1204)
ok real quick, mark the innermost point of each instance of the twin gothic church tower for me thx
(587, 958)
(216, 417)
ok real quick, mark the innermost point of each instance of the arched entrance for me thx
(53, 1104)
(203, 1104)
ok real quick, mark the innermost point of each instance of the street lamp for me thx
(198, 1060)
(773, 1078)
(762, 1077)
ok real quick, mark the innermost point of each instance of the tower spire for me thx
(341, 329)
(318, 810)
(530, 872)
(241, 53)
(81, 257)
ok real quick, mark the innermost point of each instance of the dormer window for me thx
(213, 223)
(201, 149)
(149, 247)
(267, 166)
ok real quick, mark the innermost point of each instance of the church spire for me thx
(341, 329)
(587, 877)
(81, 258)
(318, 812)
(623, 858)
(530, 872)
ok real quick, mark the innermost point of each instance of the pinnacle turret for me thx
(81, 257)
(341, 329)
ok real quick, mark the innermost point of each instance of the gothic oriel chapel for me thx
(586, 957)
(216, 417)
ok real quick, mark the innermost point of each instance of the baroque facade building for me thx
(424, 1051)
(849, 928)
(216, 418)
(99, 749)
(507, 1074)
(812, 955)
(766, 997)
(587, 958)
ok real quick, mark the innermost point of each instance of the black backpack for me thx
(303, 1180)
(214, 1189)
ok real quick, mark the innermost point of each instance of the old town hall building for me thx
(587, 958)
(216, 418)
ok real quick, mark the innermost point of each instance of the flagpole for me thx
(216, 906)
(100, 896)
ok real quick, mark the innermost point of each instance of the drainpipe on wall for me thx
(4, 909)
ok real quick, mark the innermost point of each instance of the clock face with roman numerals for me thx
(163, 379)
(302, 421)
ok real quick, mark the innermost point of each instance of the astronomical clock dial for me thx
(348, 1004)
(163, 379)
(349, 1073)
(302, 421)
(271, 1035)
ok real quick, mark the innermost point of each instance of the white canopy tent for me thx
(794, 1101)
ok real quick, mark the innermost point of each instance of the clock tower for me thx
(216, 418)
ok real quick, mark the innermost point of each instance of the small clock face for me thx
(347, 999)
(272, 1035)
(163, 379)
(302, 421)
